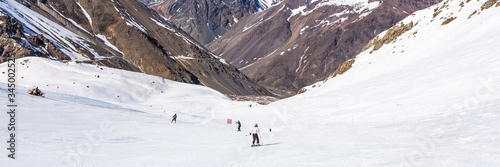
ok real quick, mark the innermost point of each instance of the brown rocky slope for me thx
(126, 34)
(206, 20)
(297, 43)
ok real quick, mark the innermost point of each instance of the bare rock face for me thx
(391, 34)
(128, 35)
(40, 41)
(344, 67)
(297, 43)
(206, 20)
(14, 43)
(489, 4)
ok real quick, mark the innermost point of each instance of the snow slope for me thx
(81, 97)
(435, 104)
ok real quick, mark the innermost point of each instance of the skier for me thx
(239, 125)
(174, 118)
(254, 133)
(37, 91)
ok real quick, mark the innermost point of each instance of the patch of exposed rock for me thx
(390, 36)
(13, 42)
(344, 67)
(263, 100)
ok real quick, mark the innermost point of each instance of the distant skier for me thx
(254, 133)
(37, 91)
(174, 118)
(239, 125)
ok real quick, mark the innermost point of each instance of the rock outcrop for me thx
(14, 43)
(390, 35)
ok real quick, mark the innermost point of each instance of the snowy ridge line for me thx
(303, 30)
(266, 4)
(130, 20)
(26, 43)
(261, 19)
(109, 44)
(219, 58)
(296, 11)
(155, 4)
(181, 57)
(257, 59)
(96, 55)
(70, 20)
(187, 40)
(162, 25)
(166, 19)
(301, 58)
(188, 57)
(252, 25)
(85, 13)
(358, 5)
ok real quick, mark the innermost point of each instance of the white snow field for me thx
(428, 99)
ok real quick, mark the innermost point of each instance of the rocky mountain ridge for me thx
(207, 20)
(126, 34)
(297, 43)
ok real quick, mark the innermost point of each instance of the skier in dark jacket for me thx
(239, 125)
(37, 91)
(174, 118)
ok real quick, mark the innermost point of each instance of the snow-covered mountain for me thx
(266, 4)
(429, 96)
(152, 3)
(296, 43)
(446, 29)
(73, 45)
(208, 20)
(121, 34)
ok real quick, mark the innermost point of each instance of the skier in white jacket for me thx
(254, 133)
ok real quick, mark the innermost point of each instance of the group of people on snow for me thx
(255, 131)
